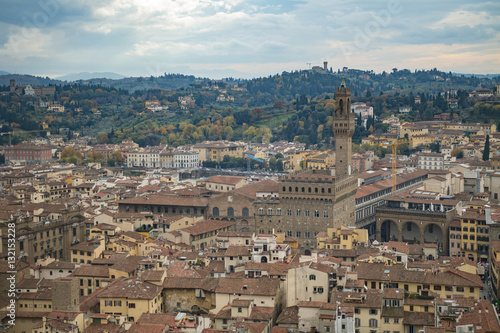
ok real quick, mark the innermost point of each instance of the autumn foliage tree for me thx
(70, 155)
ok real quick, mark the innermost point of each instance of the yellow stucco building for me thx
(343, 238)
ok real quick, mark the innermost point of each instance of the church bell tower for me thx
(343, 129)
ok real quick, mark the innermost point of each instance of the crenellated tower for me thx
(343, 129)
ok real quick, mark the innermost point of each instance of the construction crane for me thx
(13, 132)
(394, 146)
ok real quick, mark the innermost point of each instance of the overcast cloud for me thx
(219, 38)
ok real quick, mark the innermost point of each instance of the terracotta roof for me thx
(88, 246)
(264, 186)
(369, 299)
(42, 294)
(179, 269)
(393, 293)
(216, 266)
(289, 315)
(238, 250)
(129, 264)
(482, 315)
(68, 315)
(151, 275)
(27, 283)
(105, 226)
(241, 286)
(389, 311)
(278, 329)
(165, 319)
(226, 180)
(310, 304)
(239, 302)
(419, 301)
(99, 328)
(92, 270)
(132, 289)
(206, 226)
(250, 327)
(257, 314)
(113, 259)
(397, 273)
(277, 268)
(135, 235)
(385, 184)
(418, 318)
(166, 200)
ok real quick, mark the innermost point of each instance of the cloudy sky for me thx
(240, 38)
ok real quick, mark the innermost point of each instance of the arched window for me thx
(284, 189)
(269, 211)
(230, 211)
(290, 189)
(278, 211)
(316, 213)
(215, 211)
(309, 190)
(261, 211)
(244, 212)
(315, 190)
(312, 277)
(307, 213)
(325, 213)
(303, 189)
(322, 190)
(296, 189)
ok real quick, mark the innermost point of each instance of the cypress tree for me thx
(486, 151)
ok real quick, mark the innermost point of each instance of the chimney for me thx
(12, 85)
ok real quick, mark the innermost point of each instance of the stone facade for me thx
(191, 295)
(50, 238)
(234, 207)
(65, 295)
(415, 226)
(343, 129)
(312, 201)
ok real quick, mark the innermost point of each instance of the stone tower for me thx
(65, 294)
(343, 129)
(12, 85)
